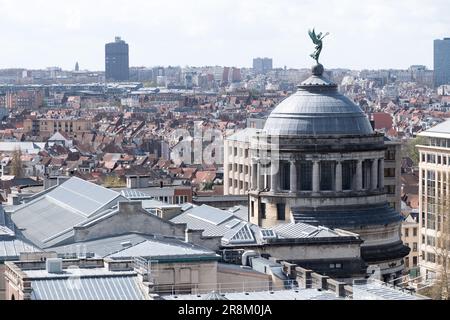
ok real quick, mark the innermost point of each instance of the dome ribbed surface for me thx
(317, 108)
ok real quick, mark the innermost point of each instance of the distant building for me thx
(410, 237)
(262, 65)
(24, 99)
(117, 61)
(47, 127)
(441, 62)
(77, 67)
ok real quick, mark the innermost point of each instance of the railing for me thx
(222, 288)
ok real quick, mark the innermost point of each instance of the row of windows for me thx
(281, 211)
(407, 262)
(238, 184)
(433, 221)
(238, 152)
(439, 142)
(433, 258)
(414, 247)
(239, 168)
(435, 158)
(390, 155)
(414, 231)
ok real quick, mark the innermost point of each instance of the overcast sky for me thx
(364, 34)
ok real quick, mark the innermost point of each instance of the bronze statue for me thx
(317, 39)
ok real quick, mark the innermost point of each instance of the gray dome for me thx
(317, 108)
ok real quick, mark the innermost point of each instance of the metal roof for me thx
(49, 219)
(10, 249)
(243, 135)
(235, 230)
(348, 217)
(376, 290)
(441, 130)
(317, 108)
(214, 222)
(301, 294)
(167, 249)
(124, 287)
(134, 194)
(101, 247)
(27, 147)
(301, 230)
(204, 213)
(82, 196)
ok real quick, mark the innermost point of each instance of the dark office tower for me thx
(77, 67)
(441, 62)
(117, 61)
(262, 65)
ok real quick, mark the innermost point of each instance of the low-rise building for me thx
(410, 237)
(48, 126)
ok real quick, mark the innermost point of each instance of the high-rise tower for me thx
(117, 61)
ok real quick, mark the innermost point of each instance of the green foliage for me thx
(17, 165)
(208, 186)
(113, 182)
(411, 150)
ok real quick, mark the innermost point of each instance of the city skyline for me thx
(376, 35)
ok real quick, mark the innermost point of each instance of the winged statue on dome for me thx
(317, 39)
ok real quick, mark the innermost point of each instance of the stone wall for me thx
(130, 218)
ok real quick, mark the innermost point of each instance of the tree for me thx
(16, 164)
(411, 151)
(440, 289)
(113, 182)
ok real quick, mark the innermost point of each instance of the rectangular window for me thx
(326, 175)
(414, 261)
(407, 262)
(431, 257)
(389, 172)
(281, 211)
(252, 208)
(414, 232)
(390, 189)
(306, 176)
(406, 232)
(390, 155)
(431, 221)
(285, 175)
(415, 247)
(262, 209)
(348, 171)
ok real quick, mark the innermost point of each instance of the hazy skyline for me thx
(370, 34)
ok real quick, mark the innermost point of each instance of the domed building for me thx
(318, 161)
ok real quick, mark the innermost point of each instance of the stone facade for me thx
(434, 195)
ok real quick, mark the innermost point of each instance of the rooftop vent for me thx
(54, 265)
(126, 244)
